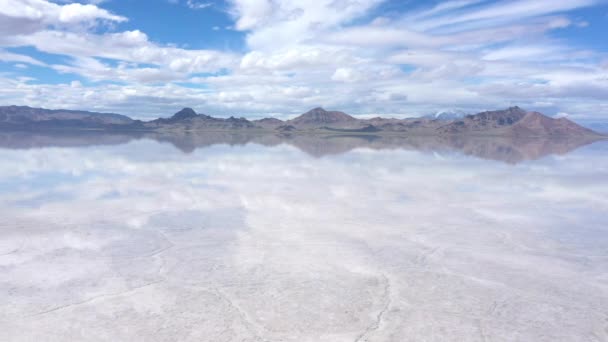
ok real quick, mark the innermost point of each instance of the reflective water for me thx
(265, 238)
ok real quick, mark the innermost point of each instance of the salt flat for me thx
(141, 242)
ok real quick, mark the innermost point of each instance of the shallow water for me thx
(205, 238)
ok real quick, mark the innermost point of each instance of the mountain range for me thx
(511, 122)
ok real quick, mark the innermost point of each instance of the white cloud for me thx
(296, 58)
(347, 75)
(127, 46)
(26, 16)
(98, 71)
(76, 13)
(192, 4)
(470, 54)
(504, 12)
(282, 23)
(372, 36)
(518, 53)
(6, 56)
(251, 13)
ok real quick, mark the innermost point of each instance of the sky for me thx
(256, 58)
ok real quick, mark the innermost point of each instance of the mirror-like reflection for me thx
(507, 149)
(258, 239)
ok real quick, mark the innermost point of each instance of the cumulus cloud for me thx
(127, 46)
(347, 75)
(350, 55)
(280, 23)
(27, 16)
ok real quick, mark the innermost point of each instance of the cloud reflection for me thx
(272, 242)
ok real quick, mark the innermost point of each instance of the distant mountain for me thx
(512, 122)
(187, 119)
(446, 115)
(320, 117)
(184, 114)
(484, 121)
(268, 123)
(28, 116)
(537, 124)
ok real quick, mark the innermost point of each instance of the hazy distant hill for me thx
(269, 122)
(28, 116)
(512, 121)
(319, 117)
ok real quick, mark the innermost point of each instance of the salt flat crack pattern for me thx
(251, 326)
(375, 325)
(95, 298)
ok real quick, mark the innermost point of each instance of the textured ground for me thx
(140, 242)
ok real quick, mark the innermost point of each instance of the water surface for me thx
(264, 238)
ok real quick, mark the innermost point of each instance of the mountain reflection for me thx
(504, 149)
(225, 242)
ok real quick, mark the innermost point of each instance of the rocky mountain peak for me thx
(184, 114)
(319, 115)
(503, 117)
(515, 109)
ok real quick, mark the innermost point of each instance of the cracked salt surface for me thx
(269, 244)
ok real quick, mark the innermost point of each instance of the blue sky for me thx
(272, 57)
